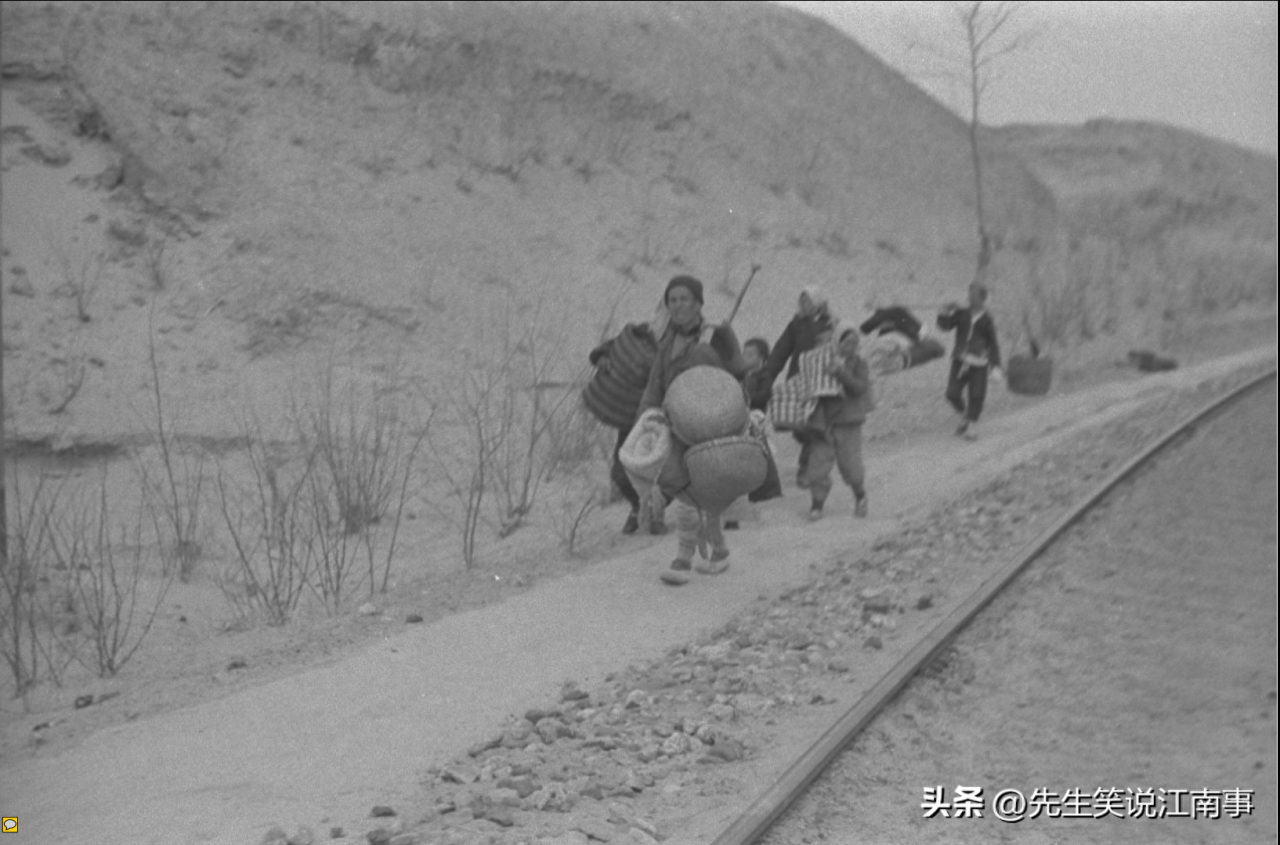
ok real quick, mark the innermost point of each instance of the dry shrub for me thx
(26, 564)
(365, 444)
(511, 417)
(271, 533)
(108, 577)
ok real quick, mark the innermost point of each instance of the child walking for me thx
(758, 389)
(837, 426)
(976, 352)
(755, 382)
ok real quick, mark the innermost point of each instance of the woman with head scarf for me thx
(811, 320)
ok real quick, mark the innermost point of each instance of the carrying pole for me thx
(755, 268)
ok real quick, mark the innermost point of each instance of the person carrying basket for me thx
(691, 343)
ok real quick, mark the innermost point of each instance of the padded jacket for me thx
(680, 350)
(855, 400)
(975, 338)
(800, 335)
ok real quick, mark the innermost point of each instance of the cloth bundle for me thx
(646, 448)
(888, 353)
(795, 400)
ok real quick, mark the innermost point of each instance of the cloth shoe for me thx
(678, 573)
(970, 431)
(632, 525)
(860, 506)
(962, 430)
(718, 563)
(815, 513)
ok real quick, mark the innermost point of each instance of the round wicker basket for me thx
(705, 403)
(724, 469)
(1030, 376)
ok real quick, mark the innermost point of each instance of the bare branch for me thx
(73, 379)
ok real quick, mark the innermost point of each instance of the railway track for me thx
(775, 808)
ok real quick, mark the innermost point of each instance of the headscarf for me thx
(817, 297)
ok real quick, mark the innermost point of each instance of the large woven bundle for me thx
(614, 392)
(705, 403)
(724, 469)
(611, 400)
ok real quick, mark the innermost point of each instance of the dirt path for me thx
(328, 744)
(1137, 654)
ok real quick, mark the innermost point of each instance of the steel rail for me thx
(774, 801)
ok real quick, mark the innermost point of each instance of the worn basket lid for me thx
(704, 403)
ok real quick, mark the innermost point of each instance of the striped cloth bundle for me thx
(795, 400)
(614, 392)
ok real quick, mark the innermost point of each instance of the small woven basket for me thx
(1029, 376)
(705, 403)
(725, 469)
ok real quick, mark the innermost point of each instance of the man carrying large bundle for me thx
(691, 343)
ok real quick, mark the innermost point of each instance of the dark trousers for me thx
(618, 472)
(975, 379)
(840, 447)
(805, 439)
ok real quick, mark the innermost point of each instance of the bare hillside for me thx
(419, 168)
(1185, 222)
(418, 183)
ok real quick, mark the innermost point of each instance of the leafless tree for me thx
(989, 33)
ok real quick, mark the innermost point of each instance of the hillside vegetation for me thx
(1167, 222)
(421, 181)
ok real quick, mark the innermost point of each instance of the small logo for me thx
(9, 824)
